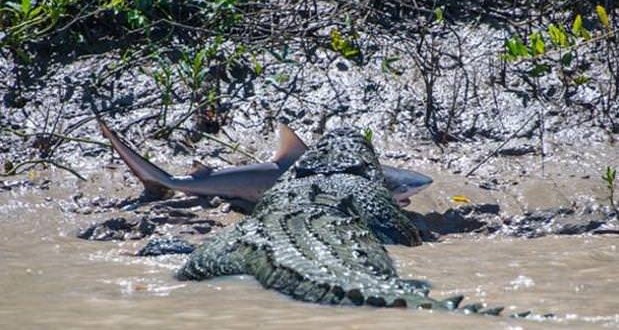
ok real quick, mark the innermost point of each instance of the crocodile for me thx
(318, 234)
(243, 185)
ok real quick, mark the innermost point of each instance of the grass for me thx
(609, 178)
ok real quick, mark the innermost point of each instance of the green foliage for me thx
(136, 18)
(438, 14)
(539, 70)
(578, 30)
(515, 48)
(609, 177)
(345, 45)
(164, 79)
(281, 78)
(566, 59)
(193, 69)
(603, 16)
(258, 69)
(386, 65)
(537, 46)
(26, 21)
(368, 134)
(581, 80)
(542, 54)
(558, 36)
(29, 21)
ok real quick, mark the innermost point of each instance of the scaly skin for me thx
(317, 235)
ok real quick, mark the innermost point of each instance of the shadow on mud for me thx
(174, 220)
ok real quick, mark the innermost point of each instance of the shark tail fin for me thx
(291, 147)
(156, 181)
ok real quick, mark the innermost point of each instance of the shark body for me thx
(246, 183)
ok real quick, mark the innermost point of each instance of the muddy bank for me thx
(482, 119)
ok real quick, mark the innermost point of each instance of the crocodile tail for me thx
(156, 181)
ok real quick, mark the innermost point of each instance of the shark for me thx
(244, 185)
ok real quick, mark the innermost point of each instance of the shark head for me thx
(404, 183)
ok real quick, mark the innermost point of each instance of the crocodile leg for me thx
(384, 218)
(374, 204)
(218, 255)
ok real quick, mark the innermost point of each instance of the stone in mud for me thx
(534, 223)
(118, 229)
(517, 151)
(166, 245)
(558, 221)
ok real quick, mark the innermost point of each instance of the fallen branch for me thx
(56, 135)
(495, 151)
(13, 171)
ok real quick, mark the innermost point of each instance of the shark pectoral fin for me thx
(199, 169)
(291, 147)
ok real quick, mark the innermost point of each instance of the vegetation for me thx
(203, 52)
(609, 177)
(368, 134)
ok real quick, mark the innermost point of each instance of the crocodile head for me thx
(342, 150)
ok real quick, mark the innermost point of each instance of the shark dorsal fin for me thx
(290, 146)
(199, 169)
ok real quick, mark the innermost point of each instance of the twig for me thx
(495, 151)
(233, 147)
(13, 171)
(56, 135)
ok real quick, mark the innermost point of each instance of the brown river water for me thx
(49, 279)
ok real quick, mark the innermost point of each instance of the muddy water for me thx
(51, 280)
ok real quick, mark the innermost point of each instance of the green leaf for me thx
(603, 16)
(351, 52)
(516, 48)
(584, 33)
(578, 30)
(537, 44)
(36, 11)
(344, 46)
(577, 25)
(385, 65)
(581, 80)
(26, 5)
(258, 69)
(610, 176)
(558, 36)
(336, 40)
(368, 134)
(539, 70)
(438, 14)
(566, 59)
